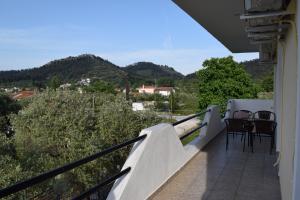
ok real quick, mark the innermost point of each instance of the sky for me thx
(34, 32)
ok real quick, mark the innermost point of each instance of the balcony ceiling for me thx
(222, 19)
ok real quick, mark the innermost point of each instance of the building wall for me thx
(287, 109)
(164, 93)
(296, 193)
(147, 90)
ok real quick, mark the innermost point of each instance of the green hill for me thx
(150, 73)
(257, 71)
(67, 69)
(88, 66)
(72, 69)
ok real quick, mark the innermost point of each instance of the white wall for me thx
(138, 106)
(157, 158)
(278, 97)
(287, 108)
(252, 105)
(296, 191)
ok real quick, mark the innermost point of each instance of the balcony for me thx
(216, 174)
(162, 166)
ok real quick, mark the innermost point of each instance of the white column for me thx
(278, 77)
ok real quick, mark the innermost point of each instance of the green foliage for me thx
(167, 82)
(173, 102)
(267, 83)
(54, 82)
(100, 86)
(7, 107)
(256, 70)
(68, 69)
(150, 73)
(63, 126)
(89, 66)
(222, 79)
(149, 97)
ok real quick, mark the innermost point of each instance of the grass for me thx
(190, 138)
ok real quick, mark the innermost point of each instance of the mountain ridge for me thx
(74, 68)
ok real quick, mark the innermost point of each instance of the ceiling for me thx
(221, 18)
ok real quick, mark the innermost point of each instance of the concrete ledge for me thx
(161, 155)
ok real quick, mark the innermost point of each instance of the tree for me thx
(169, 82)
(222, 79)
(267, 83)
(58, 127)
(7, 107)
(54, 82)
(173, 102)
(100, 86)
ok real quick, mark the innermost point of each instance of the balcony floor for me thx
(216, 174)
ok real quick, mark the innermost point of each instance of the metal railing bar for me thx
(102, 184)
(190, 117)
(52, 173)
(192, 131)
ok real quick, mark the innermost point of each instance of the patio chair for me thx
(265, 114)
(237, 127)
(266, 128)
(242, 114)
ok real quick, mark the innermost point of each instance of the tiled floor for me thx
(214, 174)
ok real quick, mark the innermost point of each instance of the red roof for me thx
(23, 95)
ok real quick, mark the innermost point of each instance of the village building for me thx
(164, 91)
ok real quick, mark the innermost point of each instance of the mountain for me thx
(72, 69)
(256, 70)
(252, 67)
(67, 69)
(147, 72)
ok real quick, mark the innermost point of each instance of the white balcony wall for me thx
(161, 154)
(252, 105)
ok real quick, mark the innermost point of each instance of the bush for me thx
(59, 127)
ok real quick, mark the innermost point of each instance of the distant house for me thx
(85, 82)
(23, 95)
(147, 89)
(138, 106)
(164, 91)
(65, 86)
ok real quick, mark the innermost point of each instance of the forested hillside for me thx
(68, 69)
(149, 72)
(72, 69)
(256, 70)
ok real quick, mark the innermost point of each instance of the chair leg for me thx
(272, 143)
(248, 139)
(251, 141)
(226, 141)
(242, 138)
(244, 143)
(259, 138)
